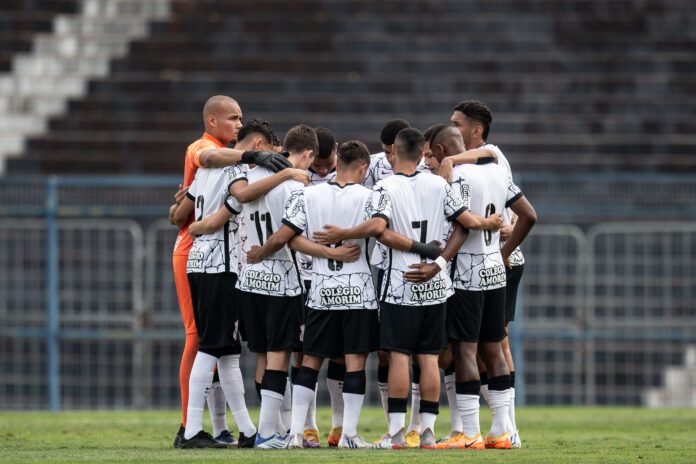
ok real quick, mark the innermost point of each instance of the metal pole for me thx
(52, 303)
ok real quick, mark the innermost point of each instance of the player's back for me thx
(215, 252)
(278, 273)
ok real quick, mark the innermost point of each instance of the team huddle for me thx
(315, 250)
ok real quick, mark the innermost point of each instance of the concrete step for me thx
(21, 123)
(41, 65)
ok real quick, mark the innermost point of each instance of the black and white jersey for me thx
(233, 172)
(415, 206)
(335, 285)
(278, 274)
(516, 257)
(316, 179)
(217, 252)
(486, 189)
(380, 168)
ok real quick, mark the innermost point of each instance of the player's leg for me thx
(483, 375)
(399, 374)
(446, 363)
(464, 313)
(414, 425)
(217, 407)
(273, 386)
(360, 337)
(303, 394)
(335, 375)
(183, 294)
(311, 431)
(490, 348)
(382, 362)
(201, 376)
(513, 279)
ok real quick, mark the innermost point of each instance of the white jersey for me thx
(335, 285)
(380, 169)
(486, 189)
(415, 206)
(277, 275)
(316, 179)
(516, 257)
(216, 252)
(303, 260)
(233, 172)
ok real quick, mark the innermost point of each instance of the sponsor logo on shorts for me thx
(265, 281)
(429, 291)
(492, 276)
(341, 296)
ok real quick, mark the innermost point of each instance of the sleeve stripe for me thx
(456, 214)
(190, 197)
(513, 199)
(292, 226)
(230, 209)
(235, 180)
(380, 215)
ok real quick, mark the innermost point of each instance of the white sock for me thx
(233, 386)
(451, 389)
(384, 395)
(269, 415)
(500, 407)
(217, 409)
(335, 393)
(353, 405)
(301, 399)
(200, 383)
(415, 422)
(467, 408)
(311, 420)
(428, 422)
(286, 409)
(485, 395)
(513, 422)
(396, 422)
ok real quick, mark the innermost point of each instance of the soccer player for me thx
(222, 118)
(476, 311)
(474, 119)
(271, 291)
(412, 316)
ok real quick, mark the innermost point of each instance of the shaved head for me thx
(450, 139)
(217, 104)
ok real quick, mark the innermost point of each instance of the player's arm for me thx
(474, 156)
(526, 218)
(397, 241)
(245, 192)
(332, 234)
(422, 272)
(506, 230)
(221, 157)
(211, 223)
(274, 243)
(184, 211)
(178, 197)
(347, 252)
(473, 221)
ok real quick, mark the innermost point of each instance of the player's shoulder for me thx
(428, 177)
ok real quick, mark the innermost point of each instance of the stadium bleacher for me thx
(552, 72)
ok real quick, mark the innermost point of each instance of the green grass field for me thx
(550, 435)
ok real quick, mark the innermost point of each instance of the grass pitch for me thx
(550, 435)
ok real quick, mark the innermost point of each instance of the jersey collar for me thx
(207, 136)
(339, 186)
(407, 175)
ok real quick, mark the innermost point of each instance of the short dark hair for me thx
(276, 141)
(353, 151)
(477, 111)
(301, 138)
(392, 128)
(409, 143)
(256, 126)
(327, 142)
(432, 131)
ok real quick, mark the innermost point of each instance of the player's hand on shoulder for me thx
(254, 255)
(445, 170)
(495, 222)
(268, 159)
(505, 232)
(421, 272)
(347, 253)
(330, 235)
(298, 174)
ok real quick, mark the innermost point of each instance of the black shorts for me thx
(335, 333)
(412, 329)
(476, 316)
(216, 313)
(514, 276)
(271, 323)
